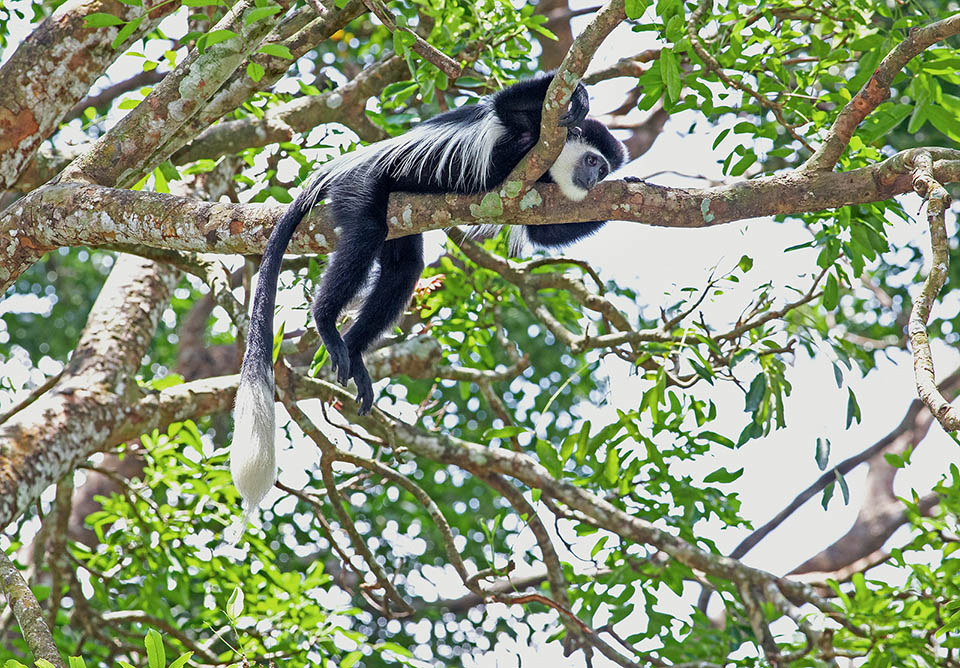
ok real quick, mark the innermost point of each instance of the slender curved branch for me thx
(876, 90)
(28, 612)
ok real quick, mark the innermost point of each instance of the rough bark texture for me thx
(53, 69)
(72, 215)
(28, 612)
(117, 157)
(52, 436)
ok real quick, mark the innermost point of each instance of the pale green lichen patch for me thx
(511, 188)
(490, 206)
(530, 200)
(705, 210)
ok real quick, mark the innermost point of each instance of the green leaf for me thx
(217, 36)
(743, 163)
(635, 8)
(598, 546)
(758, 388)
(722, 475)
(566, 448)
(670, 74)
(126, 31)
(717, 438)
(278, 50)
(235, 603)
(260, 13)
(822, 455)
(917, 118)
(102, 19)
(611, 468)
(255, 71)
(548, 457)
(76, 662)
(827, 495)
(156, 654)
(351, 659)
(43, 663)
(853, 408)
(583, 440)
(503, 432)
(13, 663)
(894, 460)
(181, 660)
(844, 490)
(830, 292)
(277, 340)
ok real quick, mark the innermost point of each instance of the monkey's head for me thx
(589, 156)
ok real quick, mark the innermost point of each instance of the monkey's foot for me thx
(339, 357)
(364, 386)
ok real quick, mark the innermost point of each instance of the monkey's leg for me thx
(401, 263)
(560, 234)
(361, 238)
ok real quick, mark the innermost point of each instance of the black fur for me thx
(358, 195)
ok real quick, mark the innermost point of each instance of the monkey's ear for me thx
(579, 107)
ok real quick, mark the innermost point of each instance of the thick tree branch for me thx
(117, 157)
(54, 67)
(282, 123)
(113, 91)
(69, 214)
(75, 418)
(938, 201)
(239, 86)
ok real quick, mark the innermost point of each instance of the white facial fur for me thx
(562, 170)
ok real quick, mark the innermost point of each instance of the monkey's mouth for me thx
(585, 181)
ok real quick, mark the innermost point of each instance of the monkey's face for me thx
(578, 168)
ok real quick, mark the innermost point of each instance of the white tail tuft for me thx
(253, 460)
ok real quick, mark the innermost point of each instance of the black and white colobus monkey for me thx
(467, 150)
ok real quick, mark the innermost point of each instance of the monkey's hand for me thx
(579, 107)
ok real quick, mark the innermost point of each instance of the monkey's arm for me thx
(519, 106)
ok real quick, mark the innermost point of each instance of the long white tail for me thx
(253, 460)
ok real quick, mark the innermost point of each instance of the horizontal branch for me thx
(69, 214)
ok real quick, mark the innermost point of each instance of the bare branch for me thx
(431, 54)
(938, 201)
(28, 612)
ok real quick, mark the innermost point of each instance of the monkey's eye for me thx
(592, 160)
(603, 172)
